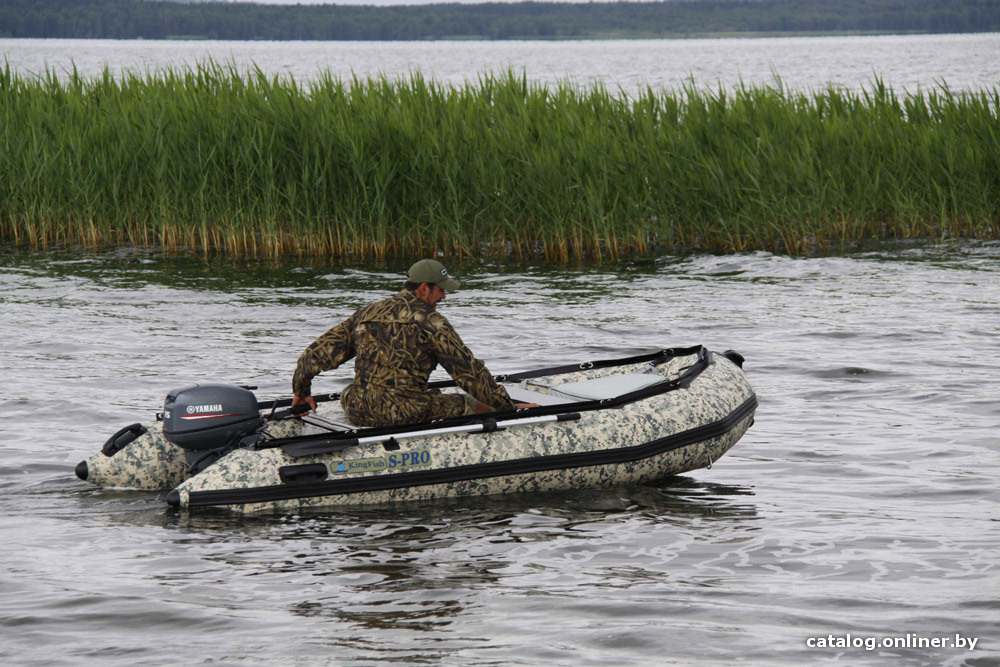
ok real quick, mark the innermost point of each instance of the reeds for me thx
(219, 160)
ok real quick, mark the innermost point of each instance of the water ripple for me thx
(862, 501)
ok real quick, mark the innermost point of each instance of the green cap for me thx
(433, 272)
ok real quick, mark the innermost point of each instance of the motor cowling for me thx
(208, 417)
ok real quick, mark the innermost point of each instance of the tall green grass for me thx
(221, 160)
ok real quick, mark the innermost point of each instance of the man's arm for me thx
(468, 372)
(325, 353)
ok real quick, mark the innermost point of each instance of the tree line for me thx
(147, 19)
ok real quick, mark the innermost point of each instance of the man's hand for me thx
(526, 406)
(306, 400)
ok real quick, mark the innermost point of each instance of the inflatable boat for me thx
(597, 424)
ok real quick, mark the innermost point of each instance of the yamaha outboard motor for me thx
(210, 420)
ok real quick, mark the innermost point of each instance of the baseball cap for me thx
(433, 272)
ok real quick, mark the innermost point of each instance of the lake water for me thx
(905, 62)
(863, 501)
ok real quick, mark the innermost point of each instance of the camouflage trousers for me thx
(373, 405)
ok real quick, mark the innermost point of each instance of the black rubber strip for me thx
(263, 494)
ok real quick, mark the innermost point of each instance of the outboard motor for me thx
(208, 421)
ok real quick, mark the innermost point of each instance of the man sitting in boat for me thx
(398, 342)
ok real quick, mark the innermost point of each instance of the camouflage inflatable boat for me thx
(600, 423)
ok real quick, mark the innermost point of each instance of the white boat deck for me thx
(589, 390)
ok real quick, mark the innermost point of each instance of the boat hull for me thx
(671, 459)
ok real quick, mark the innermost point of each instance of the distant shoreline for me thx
(592, 38)
(532, 21)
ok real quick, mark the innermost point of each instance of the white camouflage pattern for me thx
(148, 463)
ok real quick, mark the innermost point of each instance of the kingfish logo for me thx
(398, 461)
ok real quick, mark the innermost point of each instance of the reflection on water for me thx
(863, 500)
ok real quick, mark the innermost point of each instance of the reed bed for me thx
(214, 159)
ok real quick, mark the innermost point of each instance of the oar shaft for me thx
(326, 446)
(470, 428)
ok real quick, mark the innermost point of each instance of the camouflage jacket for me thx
(398, 342)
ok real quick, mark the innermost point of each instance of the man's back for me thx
(392, 342)
(397, 343)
